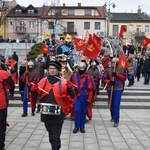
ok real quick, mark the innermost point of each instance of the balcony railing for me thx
(20, 29)
(71, 31)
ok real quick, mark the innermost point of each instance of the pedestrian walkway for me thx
(133, 132)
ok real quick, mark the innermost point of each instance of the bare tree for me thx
(5, 7)
(56, 13)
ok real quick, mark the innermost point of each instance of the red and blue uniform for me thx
(118, 88)
(33, 77)
(85, 90)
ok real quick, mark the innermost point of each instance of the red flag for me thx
(145, 42)
(79, 43)
(123, 61)
(96, 39)
(122, 30)
(44, 49)
(91, 49)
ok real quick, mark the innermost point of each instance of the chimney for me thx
(79, 4)
(64, 4)
(139, 10)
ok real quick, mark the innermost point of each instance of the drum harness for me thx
(48, 108)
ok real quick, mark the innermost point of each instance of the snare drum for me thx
(50, 109)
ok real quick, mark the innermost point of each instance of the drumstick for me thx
(60, 79)
(105, 87)
(40, 88)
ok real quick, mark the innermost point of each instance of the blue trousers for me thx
(80, 108)
(25, 100)
(115, 104)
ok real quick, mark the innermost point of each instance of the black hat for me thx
(56, 64)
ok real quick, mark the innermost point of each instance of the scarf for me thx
(53, 79)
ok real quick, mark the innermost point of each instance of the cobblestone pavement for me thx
(133, 132)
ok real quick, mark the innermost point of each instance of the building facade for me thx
(137, 25)
(24, 22)
(74, 20)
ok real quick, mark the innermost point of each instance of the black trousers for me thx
(54, 131)
(3, 117)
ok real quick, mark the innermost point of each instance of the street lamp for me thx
(109, 15)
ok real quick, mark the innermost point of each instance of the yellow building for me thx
(5, 7)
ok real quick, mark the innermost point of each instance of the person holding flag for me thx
(115, 77)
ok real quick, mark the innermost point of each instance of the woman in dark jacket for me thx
(146, 69)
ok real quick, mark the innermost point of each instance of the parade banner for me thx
(145, 42)
(91, 50)
(79, 43)
(44, 49)
(122, 30)
(123, 61)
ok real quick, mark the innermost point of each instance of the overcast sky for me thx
(121, 5)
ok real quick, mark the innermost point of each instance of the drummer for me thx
(60, 94)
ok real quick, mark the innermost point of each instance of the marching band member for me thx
(95, 73)
(85, 90)
(30, 76)
(55, 101)
(115, 77)
(12, 68)
(6, 82)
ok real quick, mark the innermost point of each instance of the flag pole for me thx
(113, 78)
(26, 52)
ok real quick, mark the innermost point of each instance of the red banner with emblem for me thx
(123, 61)
(91, 50)
(145, 42)
(79, 43)
(44, 49)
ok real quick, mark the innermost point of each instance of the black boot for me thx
(24, 115)
(115, 124)
(130, 82)
(33, 111)
(75, 130)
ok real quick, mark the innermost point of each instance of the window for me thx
(86, 25)
(87, 11)
(138, 28)
(51, 25)
(31, 11)
(70, 26)
(31, 24)
(10, 23)
(147, 29)
(21, 26)
(115, 30)
(58, 12)
(70, 11)
(97, 25)
(18, 11)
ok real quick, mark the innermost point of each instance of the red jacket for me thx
(59, 95)
(13, 70)
(6, 82)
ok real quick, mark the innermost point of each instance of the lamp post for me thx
(108, 14)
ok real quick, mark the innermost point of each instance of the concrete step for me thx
(124, 105)
(128, 95)
(134, 97)
(99, 105)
